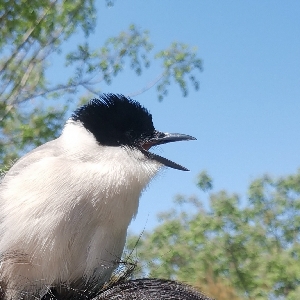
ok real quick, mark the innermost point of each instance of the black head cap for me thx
(116, 120)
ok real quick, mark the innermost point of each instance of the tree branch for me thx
(147, 87)
(26, 38)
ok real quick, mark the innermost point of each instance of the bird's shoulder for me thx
(56, 157)
(49, 150)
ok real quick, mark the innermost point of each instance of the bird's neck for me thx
(118, 173)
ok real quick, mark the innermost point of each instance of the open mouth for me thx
(164, 138)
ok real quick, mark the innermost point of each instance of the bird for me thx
(65, 206)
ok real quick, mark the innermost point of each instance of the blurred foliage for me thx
(229, 250)
(179, 62)
(32, 32)
(204, 181)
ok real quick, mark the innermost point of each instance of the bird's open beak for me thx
(163, 138)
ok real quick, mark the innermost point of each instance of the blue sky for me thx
(245, 115)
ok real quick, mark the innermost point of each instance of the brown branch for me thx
(8, 110)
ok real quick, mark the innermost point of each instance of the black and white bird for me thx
(65, 206)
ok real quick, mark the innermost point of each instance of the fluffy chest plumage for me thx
(70, 223)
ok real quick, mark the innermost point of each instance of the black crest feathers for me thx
(115, 120)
